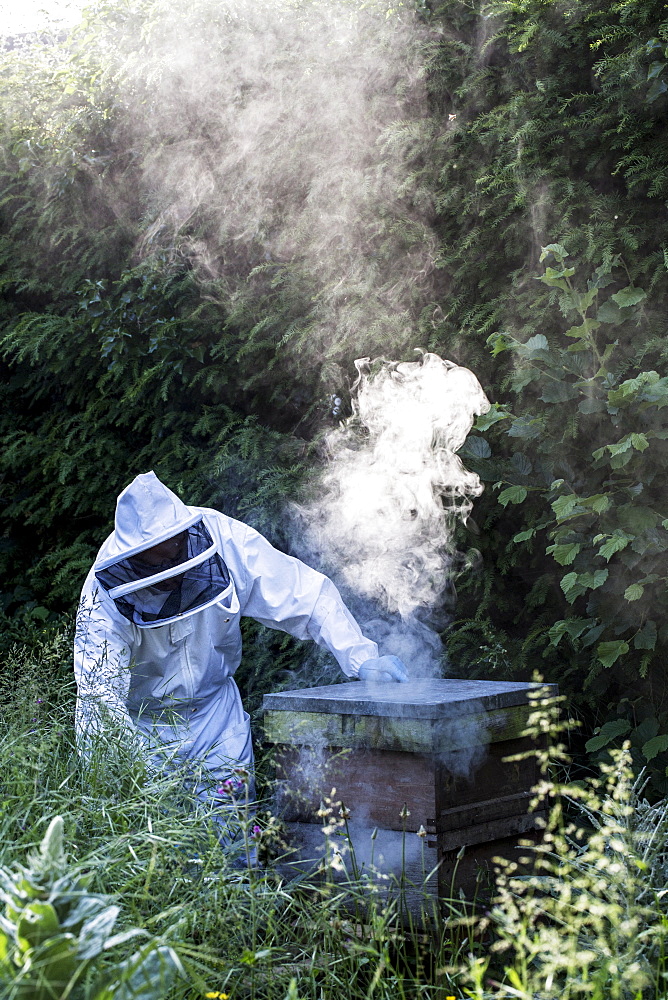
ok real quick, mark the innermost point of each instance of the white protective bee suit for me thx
(160, 663)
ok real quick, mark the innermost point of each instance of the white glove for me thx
(384, 669)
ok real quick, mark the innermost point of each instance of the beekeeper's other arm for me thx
(102, 670)
(284, 593)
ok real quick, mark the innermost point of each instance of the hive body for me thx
(433, 754)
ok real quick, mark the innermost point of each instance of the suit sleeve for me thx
(284, 593)
(102, 654)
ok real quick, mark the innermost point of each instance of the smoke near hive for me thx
(391, 493)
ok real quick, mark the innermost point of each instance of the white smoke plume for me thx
(277, 143)
(275, 140)
(391, 492)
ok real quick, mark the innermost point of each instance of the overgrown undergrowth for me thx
(590, 922)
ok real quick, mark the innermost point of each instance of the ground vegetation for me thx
(526, 177)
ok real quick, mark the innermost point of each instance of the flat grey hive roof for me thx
(419, 699)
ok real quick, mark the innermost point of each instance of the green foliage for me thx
(590, 918)
(541, 128)
(55, 936)
(114, 361)
(588, 481)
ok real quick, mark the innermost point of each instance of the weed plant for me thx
(590, 919)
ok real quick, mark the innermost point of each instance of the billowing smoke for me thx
(277, 145)
(276, 141)
(391, 493)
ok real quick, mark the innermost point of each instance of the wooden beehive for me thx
(431, 754)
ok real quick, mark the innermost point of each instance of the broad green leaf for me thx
(553, 282)
(514, 494)
(634, 592)
(524, 536)
(493, 416)
(656, 393)
(592, 581)
(563, 506)
(146, 975)
(599, 502)
(582, 331)
(564, 554)
(640, 544)
(655, 69)
(655, 746)
(639, 442)
(609, 652)
(553, 248)
(568, 582)
(636, 518)
(646, 637)
(499, 342)
(86, 907)
(617, 541)
(576, 584)
(645, 730)
(619, 461)
(521, 463)
(622, 445)
(591, 405)
(593, 635)
(658, 88)
(537, 343)
(95, 932)
(629, 389)
(609, 312)
(609, 732)
(558, 392)
(573, 627)
(586, 298)
(522, 377)
(629, 296)
(38, 921)
(526, 427)
(555, 274)
(477, 446)
(57, 960)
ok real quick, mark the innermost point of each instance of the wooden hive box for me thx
(430, 754)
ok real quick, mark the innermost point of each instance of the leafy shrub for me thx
(578, 460)
(56, 937)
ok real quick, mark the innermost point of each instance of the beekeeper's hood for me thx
(151, 589)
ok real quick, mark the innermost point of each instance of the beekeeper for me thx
(158, 637)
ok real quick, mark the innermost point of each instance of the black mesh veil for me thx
(195, 579)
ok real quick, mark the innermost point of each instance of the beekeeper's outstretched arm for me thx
(283, 592)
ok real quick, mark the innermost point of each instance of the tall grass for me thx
(244, 933)
(590, 921)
